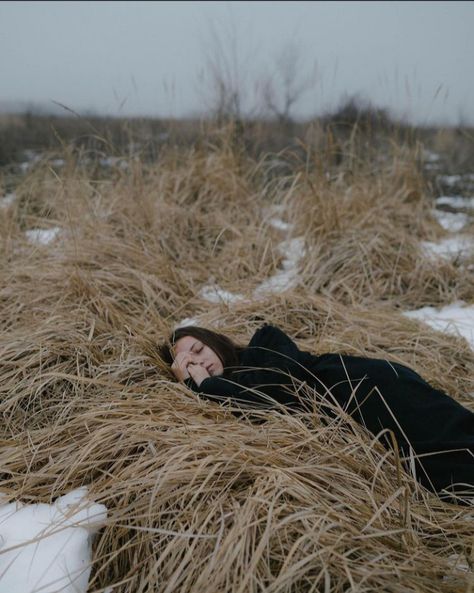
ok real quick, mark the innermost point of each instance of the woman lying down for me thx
(426, 423)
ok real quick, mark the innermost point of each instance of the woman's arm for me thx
(255, 389)
(267, 379)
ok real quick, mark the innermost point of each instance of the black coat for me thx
(377, 393)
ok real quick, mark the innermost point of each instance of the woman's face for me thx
(201, 353)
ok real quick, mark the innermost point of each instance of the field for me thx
(113, 236)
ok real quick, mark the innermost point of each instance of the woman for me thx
(381, 395)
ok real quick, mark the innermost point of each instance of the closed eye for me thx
(197, 348)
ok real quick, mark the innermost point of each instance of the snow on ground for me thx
(282, 280)
(455, 202)
(7, 200)
(188, 321)
(42, 236)
(114, 161)
(287, 277)
(280, 224)
(457, 245)
(275, 212)
(457, 319)
(432, 159)
(451, 221)
(450, 247)
(452, 180)
(430, 156)
(47, 548)
(215, 294)
(31, 157)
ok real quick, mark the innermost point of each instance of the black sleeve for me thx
(267, 378)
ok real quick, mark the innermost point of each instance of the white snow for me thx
(457, 319)
(188, 321)
(430, 156)
(32, 157)
(282, 280)
(455, 179)
(451, 221)
(42, 236)
(215, 294)
(286, 278)
(114, 161)
(275, 211)
(280, 224)
(47, 548)
(455, 202)
(7, 200)
(450, 247)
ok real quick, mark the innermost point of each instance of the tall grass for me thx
(200, 499)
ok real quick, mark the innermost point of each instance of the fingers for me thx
(198, 373)
(180, 365)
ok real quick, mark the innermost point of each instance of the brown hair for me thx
(224, 347)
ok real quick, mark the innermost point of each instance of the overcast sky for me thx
(152, 58)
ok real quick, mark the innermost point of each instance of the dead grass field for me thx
(199, 500)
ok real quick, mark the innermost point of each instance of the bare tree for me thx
(226, 77)
(288, 83)
(236, 85)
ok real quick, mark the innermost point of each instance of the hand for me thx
(198, 373)
(181, 363)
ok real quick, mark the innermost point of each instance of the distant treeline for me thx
(146, 136)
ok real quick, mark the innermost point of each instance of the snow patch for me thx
(282, 280)
(286, 278)
(31, 157)
(114, 161)
(7, 200)
(450, 247)
(456, 319)
(42, 236)
(430, 156)
(452, 180)
(187, 322)
(455, 202)
(275, 211)
(46, 547)
(215, 294)
(451, 221)
(280, 224)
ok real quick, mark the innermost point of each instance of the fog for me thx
(155, 58)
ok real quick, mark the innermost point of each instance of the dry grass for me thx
(199, 499)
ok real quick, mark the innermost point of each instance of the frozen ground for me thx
(7, 200)
(456, 319)
(42, 236)
(46, 548)
(454, 214)
(449, 247)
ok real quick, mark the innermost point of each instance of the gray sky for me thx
(151, 58)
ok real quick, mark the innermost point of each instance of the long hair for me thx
(224, 347)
